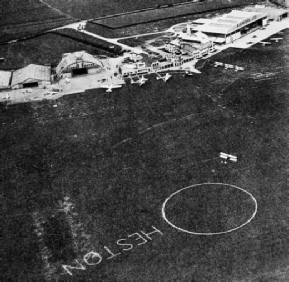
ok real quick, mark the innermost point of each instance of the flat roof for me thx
(271, 11)
(4, 78)
(197, 36)
(228, 23)
(215, 27)
(201, 21)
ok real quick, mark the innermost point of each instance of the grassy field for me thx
(170, 12)
(20, 19)
(119, 155)
(44, 49)
(150, 26)
(138, 41)
(89, 9)
(87, 39)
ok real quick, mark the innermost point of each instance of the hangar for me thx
(229, 27)
(78, 63)
(5, 77)
(31, 76)
(274, 14)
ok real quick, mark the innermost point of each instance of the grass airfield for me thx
(131, 150)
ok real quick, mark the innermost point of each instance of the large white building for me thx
(79, 63)
(229, 27)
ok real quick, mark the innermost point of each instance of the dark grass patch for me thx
(58, 238)
(19, 250)
(19, 5)
(27, 18)
(149, 26)
(31, 29)
(88, 9)
(44, 49)
(140, 40)
(87, 39)
(166, 13)
(101, 30)
(32, 16)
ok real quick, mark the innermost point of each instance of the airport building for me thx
(197, 40)
(79, 63)
(190, 42)
(229, 27)
(173, 46)
(31, 76)
(273, 14)
(5, 77)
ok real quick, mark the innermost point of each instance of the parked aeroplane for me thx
(191, 70)
(133, 81)
(265, 43)
(51, 93)
(216, 64)
(239, 68)
(228, 157)
(277, 39)
(164, 78)
(141, 80)
(227, 66)
(188, 73)
(110, 87)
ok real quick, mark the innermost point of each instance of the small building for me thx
(273, 14)
(188, 49)
(134, 68)
(179, 27)
(5, 77)
(197, 40)
(31, 76)
(173, 46)
(79, 63)
(134, 56)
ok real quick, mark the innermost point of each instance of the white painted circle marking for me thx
(209, 233)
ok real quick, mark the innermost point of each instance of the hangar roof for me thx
(71, 59)
(270, 11)
(31, 73)
(230, 22)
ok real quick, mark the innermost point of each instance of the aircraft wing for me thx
(110, 86)
(104, 86)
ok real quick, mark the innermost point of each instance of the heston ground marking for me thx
(209, 233)
(87, 260)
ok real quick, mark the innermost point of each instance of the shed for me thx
(31, 76)
(5, 77)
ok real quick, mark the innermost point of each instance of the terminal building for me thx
(31, 76)
(189, 42)
(79, 63)
(229, 27)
